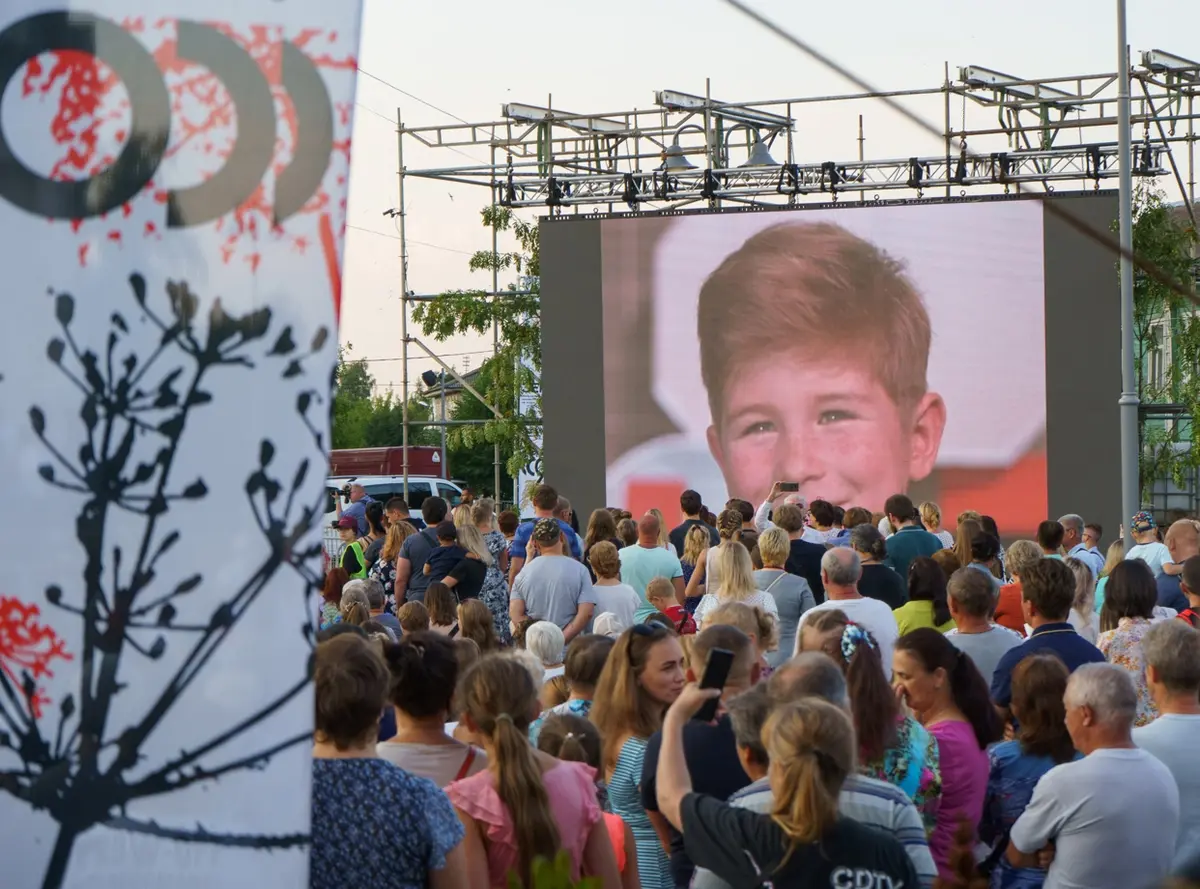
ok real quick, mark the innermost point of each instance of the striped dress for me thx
(653, 867)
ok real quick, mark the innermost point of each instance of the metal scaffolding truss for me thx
(690, 149)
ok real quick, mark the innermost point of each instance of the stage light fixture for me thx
(977, 76)
(760, 156)
(674, 160)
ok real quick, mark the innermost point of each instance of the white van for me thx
(383, 488)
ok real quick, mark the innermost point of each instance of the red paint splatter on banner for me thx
(28, 646)
(93, 110)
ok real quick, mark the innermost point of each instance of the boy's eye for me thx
(835, 416)
(759, 428)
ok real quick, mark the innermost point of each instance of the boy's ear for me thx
(928, 424)
(714, 446)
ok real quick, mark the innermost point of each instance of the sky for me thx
(469, 57)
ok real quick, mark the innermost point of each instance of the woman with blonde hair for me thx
(931, 518)
(526, 805)
(732, 564)
(967, 529)
(384, 569)
(1082, 615)
(802, 841)
(664, 533)
(1114, 557)
(463, 515)
(643, 675)
(792, 594)
(706, 576)
(695, 544)
(1021, 555)
(761, 628)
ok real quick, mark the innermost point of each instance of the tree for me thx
(364, 420)
(518, 361)
(1166, 334)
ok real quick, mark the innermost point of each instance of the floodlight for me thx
(760, 156)
(1167, 63)
(674, 159)
(976, 76)
(429, 378)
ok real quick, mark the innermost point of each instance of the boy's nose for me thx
(802, 462)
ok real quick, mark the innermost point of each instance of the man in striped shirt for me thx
(865, 800)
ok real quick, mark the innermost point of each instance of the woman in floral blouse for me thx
(893, 747)
(1126, 615)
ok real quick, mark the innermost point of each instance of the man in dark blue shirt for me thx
(910, 540)
(1047, 592)
(545, 503)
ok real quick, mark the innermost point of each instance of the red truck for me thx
(422, 461)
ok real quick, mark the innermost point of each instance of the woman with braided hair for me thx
(526, 805)
(892, 745)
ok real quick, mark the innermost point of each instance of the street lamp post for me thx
(1129, 402)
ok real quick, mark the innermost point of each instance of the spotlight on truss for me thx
(675, 160)
(976, 76)
(760, 156)
(1167, 63)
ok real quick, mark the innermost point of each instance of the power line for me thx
(372, 231)
(416, 98)
(440, 355)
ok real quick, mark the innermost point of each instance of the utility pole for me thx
(1129, 402)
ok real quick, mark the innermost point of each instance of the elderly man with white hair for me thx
(841, 569)
(762, 522)
(1171, 651)
(1110, 819)
(1075, 542)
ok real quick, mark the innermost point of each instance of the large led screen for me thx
(858, 351)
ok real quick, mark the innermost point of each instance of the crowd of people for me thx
(785, 694)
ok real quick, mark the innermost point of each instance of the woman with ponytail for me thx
(949, 696)
(803, 841)
(892, 746)
(527, 804)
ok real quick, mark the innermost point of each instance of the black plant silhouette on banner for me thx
(140, 398)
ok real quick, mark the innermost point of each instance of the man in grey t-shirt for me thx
(1112, 816)
(971, 605)
(553, 587)
(1171, 650)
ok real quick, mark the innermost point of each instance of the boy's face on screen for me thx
(834, 429)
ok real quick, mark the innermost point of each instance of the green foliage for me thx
(516, 315)
(1166, 337)
(553, 875)
(363, 420)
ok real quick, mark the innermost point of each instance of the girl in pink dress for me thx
(527, 804)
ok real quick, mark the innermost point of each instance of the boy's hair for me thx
(545, 498)
(1050, 535)
(508, 522)
(823, 512)
(660, 588)
(813, 286)
(413, 617)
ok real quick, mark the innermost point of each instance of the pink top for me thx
(571, 787)
(964, 787)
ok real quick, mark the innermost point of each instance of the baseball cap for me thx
(345, 521)
(1143, 521)
(547, 531)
